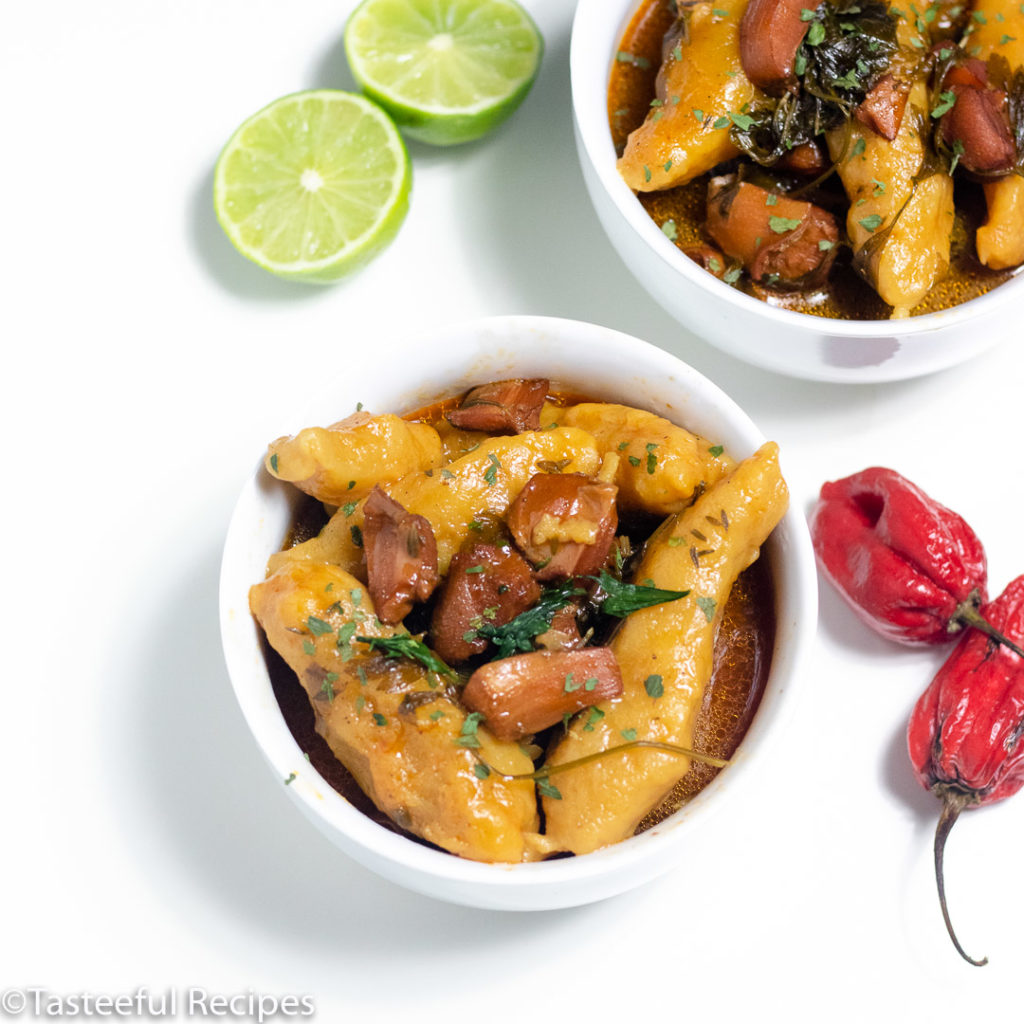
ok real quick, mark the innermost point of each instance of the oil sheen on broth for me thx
(846, 296)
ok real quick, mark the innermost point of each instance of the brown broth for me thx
(742, 659)
(846, 296)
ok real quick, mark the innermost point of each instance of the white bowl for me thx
(603, 364)
(796, 344)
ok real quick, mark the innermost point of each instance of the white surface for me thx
(618, 367)
(145, 368)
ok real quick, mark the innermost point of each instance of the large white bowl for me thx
(797, 344)
(603, 364)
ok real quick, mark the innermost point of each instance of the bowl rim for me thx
(385, 851)
(597, 27)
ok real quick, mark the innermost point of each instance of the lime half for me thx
(314, 185)
(447, 71)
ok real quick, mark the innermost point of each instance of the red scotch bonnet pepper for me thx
(916, 572)
(912, 569)
(906, 564)
(965, 733)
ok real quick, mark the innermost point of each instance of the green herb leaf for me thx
(273, 462)
(815, 34)
(467, 734)
(308, 647)
(481, 771)
(596, 714)
(669, 230)
(716, 450)
(871, 223)
(628, 734)
(404, 645)
(780, 225)
(707, 606)
(946, 102)
(653, 686)
(545, 788)
(318, 627)
(697, 113)
(379, 719)
(518, 635)
(357, 535)
(625, 598)
(491, 474)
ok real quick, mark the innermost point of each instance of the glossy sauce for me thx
(846, 296)
(743, 649)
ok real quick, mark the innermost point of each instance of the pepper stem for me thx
(952, 804)
(967, 614)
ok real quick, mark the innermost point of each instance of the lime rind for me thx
(314, 185)
(447, 71)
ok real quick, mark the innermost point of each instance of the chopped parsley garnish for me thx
(871, 223)
(379, 719)
(716, 450)
(545, 788)
(273, 462)
(349, 507)
(628, 734)
(356, 535)
(481, 771)
(467, 734)
(595, 715)
(707, 606)
(491, 474)
(654, 687)
(318, 627)
(946, 102)
(780, 225)
(669, 230)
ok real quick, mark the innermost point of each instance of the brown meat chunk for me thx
(401, 556)
(770, 34)
(485, 584)
(976, 125)
(564, 524)
(502, 407)
(807, 160)
(781, 242)
(708, 257)
(526, 693)
(882, 109)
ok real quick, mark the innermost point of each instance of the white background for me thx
(145, 367)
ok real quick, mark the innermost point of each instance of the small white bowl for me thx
(797, 344)
(600, 363)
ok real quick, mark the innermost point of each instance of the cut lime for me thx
(314, 185)
(447, 71)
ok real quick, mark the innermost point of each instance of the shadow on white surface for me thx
(204, 814)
